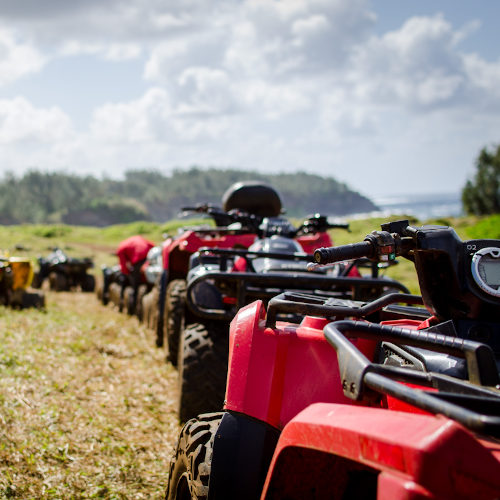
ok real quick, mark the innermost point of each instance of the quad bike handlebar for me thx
(330, 255)
(317, 223)
(459, 280)
(265, 226)
(220, 217)
(379, 245)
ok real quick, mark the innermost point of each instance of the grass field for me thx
(87, 403)
(100, 243)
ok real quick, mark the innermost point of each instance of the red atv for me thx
(245, 205)
(361, 400)
(222, 281)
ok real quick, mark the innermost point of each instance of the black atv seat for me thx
(253, 197)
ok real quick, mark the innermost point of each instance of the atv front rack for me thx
(219, 230)
(385, 307)
(225, 256)
(245, 287)
(475, 402)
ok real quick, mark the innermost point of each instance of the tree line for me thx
(43, 197)
(481, 194)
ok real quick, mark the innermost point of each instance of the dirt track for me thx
(87, 403)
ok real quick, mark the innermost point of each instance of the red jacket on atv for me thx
(131, 251)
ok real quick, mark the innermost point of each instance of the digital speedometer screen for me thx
(485, 267)
(490, 271)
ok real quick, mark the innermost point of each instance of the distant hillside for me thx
(40, 197)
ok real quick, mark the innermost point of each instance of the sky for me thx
(388, 96)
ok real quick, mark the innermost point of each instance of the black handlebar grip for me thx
(338, 226)
(343, 252)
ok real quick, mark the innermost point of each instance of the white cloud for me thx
(17, 59)
(275, 84)
(416, 65)
(274, 101)
(310, 27)
(108, 51)
(484, 77)
(141, 121)
(208, 91)
(37, 137)
(420, 67)
(20, 121)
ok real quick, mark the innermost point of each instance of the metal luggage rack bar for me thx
(251, 286)
(336, 308)
(219, 231)
(225, 255)
(475, 403)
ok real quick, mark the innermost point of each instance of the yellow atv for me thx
(16, 274)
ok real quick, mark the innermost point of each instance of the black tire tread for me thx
(128, 301)
(203, 360)
(174, 317)
(58, 282)
(193, 457)
(88, 283)
(140, 309)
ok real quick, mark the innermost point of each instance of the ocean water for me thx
(421, 206)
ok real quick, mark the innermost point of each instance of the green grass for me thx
(101, 243)
(33, 240)
(87, 404)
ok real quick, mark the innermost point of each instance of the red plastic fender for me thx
(310, 242)
(273, 374)
(419, 456)
(191, 241)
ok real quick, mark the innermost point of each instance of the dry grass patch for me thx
(87, 403)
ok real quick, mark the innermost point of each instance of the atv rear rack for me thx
(475, 402)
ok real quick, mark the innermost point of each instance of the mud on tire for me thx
(203, 359)
(174, 317)
(190, 467)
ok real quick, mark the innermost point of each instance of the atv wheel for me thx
(33, 299)
(88, 283)
(128, 301)
(99, 290)
(203, 359)
(139, 308)
(5, 297)
(37, 281)
(190, 467)
(114, 295)
(58, 282)
(151, 302)
(174, 317)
